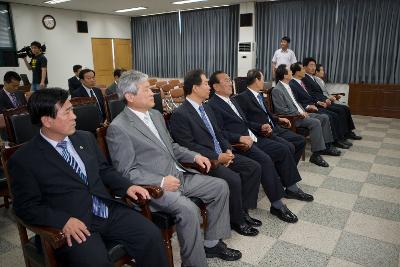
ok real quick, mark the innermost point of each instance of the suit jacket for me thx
(254, 113)
(139, 154)
(73, 84)
(111, 89)
(189, 130)
(313, 88)
(283, 103)
(302, 96)
(231, 125)
(81, 92)
(47, 191)
(5, 102)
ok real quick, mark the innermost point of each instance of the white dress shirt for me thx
(286, 57)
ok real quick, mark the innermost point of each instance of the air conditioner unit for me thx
(246, 57)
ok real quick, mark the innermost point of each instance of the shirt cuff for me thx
(162, 182)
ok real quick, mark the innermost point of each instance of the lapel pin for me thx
(81, 147)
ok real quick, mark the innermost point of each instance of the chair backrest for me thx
(160, 84)
(174, 82)
(240, 84)
(5, 156)
(87, 113)
(19, 126)
(152, 81)
(113, 106)
(269, 101)
(158, 102)
(101, 141)
(167, 87)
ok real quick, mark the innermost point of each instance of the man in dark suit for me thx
(261, 121)
(194, 126)
(10, 97)
(112, 88)
(277, 164)
(60, 179)
(315, 90)
(74, 82)
(88, 89)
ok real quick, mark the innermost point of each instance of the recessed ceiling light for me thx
(53, 2)
(187, 2)
(130, 9)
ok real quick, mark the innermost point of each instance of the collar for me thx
(297, 80)
(254, 92)
(311, 76)
(7, 92)
(52, 142)
(285, 51)
(77, 77)
(87, 89)
(140, 114)
(193, 103)
(226, 99)
(285, 85)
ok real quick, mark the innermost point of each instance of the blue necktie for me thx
(260, 99)
(217, 147)
(99, 208)
(14, 99)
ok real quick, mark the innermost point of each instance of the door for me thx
(103, 61)
(123, 53)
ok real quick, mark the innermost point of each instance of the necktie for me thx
(260, 98)
(14, 100)
(92, 94)
(99, 208)
(217, 147)
(253, 137)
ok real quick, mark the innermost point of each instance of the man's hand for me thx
(76, 229)
(245, 139)
(135, 190)
(171, 183)
(266, 130)
(322, 104)
(311, 108)
(226, 158)
(42, 85)
(328, 102)
(203, 162)
(332, 98)
(304, 115)
(285, 122)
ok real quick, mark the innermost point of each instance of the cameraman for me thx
(38, 66)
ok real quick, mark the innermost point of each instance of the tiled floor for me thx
(354, 220)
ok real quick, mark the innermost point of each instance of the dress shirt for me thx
(229, 102)
(289, 90)
(286, 57)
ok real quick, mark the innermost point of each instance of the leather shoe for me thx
(222, 251)
(252, 221)
(342, 145)
(353, 136)
(318, 160)
(344, 141)
(299, 195)
(331, 151)
(284, 214)
(245, 229)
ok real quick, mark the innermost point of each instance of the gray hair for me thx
(128, 82)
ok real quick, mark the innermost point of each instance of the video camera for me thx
(27, 51)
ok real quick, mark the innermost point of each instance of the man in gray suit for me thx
(318, 124)
(142, 149)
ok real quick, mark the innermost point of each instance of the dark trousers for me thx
(338, 131)
(344, 115)
(243, 178)
(140, 237)
(295, 142)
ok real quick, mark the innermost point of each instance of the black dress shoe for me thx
(353, 136)
(340, 144)
(284, 214)
(245, 229)
(252, 221)
(331, 151)
(299, 195)
(222, 251)
(346, 142)
(318, 160)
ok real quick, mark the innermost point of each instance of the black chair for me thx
(19, 126)
(87, 114)
(240, 84)
(113, 106)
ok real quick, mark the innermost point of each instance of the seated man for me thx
(314, 89)
(141, 147)
(59, 181)
(112, 88)
(88, 89)
(74, 82)
(317, 124)
(194, 126)
(319, 78)
(277, 164)
(264, 123)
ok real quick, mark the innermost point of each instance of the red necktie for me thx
(304, 87)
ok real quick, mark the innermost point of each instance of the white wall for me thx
(65, 47)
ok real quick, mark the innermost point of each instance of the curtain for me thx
(208, 40)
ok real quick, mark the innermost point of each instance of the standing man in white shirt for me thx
(283, 56)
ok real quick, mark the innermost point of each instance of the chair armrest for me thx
(195, 166)
(241, 147)
(154, 191)
(291, 118)
(55, 237)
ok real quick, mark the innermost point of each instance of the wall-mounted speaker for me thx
(246, 20)
(82, 26)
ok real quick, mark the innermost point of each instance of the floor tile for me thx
(374, 129)
(393, 131)
(354, 164)
(312, 236)
(310, 167)
(369, 138)
(6, 246)
(386, 170)
(313, 179)
(392, 153)
(378, 125)
(395, 141)
(374, 227)
(342, 185)
(359, 156)
(364, 149)
(335, 198)
(10, 233)
(272, 226)
(381, 192)
(12, 258)
(366, 143)
(373, 133)
(382, 120)
(253, 248)
(393, 135)
(336, 262)
(284, 254)
(378, 208)
(349, 174)
(395, 162)
(383, 180)
(333, 161)
(390, 146)
(218, 263)
(324, 215)
(366, 251)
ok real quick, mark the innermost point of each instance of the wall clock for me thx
(49, 22)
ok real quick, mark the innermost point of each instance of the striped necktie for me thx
(99, 208)
(217, 147)
(14, 99)
(260, 99)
